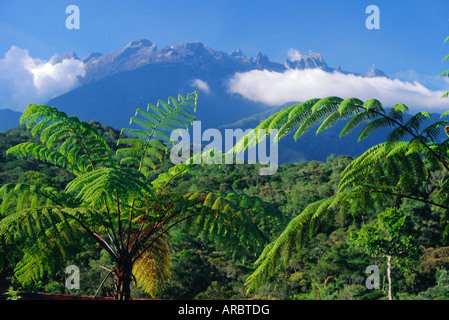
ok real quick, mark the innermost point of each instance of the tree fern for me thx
(391, 169)
(113, 201)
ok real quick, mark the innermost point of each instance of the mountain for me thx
(9, 119)
(311, 61)
(119, 82)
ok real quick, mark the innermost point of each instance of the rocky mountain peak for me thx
(91, 56)
(139, 43)
(236, 53)
(143, 52)
(194, 46)
(67, 55)
(311, 61)
(374, 72)
(261, 59)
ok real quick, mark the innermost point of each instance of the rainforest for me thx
(143, 227)
(192, 180)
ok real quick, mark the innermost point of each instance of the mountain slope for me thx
(9, 119)
(113, 100)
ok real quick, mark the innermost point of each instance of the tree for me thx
(391, 237)
(435, 258)
(113, 200)
(385, 173)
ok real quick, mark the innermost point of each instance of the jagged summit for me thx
(261, 59)
(138, 48)
(311, 61)
(236, 53)
(118, 82)
(139, 43)
(193, 45)
(142, 52)
(67, 55)
(91, 56)
(374, 72)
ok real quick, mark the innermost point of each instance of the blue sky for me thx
(411, 32)
(409, 44)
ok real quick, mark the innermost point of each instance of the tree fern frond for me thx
(48, 236)
(95, 185)
(374, 125)
(320, 110)
(152, 268)
(149, 116)
(416, 120)
(226, 220)
(346, 108)
(397, 134)
(374, 105)
(398, 110)
(432, 131)
(158, 120)
(41, 152)
(55, 127)
(296, 115)
(165, 178)
(277, 253)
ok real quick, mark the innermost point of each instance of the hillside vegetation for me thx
(332, 264)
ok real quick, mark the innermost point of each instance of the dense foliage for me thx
(330, 266)
(223, 232)
(112, 200)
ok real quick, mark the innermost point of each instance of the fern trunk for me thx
(122, 282)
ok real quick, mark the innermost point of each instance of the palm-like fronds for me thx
(394, 168)
(48, 235)
(277, 253)
(147, 143)
(152, 268)
(66, 141)
(111, 200)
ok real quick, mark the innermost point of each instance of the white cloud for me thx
(25, 80)
(275, 88)
(294, 55)
(433, 82)
(199, 84)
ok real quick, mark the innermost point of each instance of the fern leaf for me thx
(152, 269)
(374, 125)
(320, 110)
(158, 120)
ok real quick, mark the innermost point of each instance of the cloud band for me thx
(276, 88)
